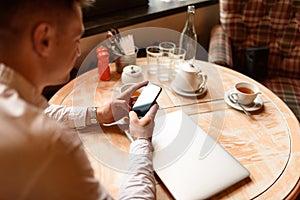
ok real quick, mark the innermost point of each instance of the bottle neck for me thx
(190, 19)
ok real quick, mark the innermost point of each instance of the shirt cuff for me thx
(141, 146)
(78, 115)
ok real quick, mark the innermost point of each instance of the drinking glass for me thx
(153, 53)
(178, 58)
(165, 61)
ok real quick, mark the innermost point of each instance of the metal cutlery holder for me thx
(124, 60)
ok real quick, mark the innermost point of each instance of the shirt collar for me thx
(24, 88)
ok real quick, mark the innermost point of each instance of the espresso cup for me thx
(246, 92)
(125, 87)
(189, 78)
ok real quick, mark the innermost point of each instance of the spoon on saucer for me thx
(234, 99)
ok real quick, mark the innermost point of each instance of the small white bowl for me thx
(132, 74)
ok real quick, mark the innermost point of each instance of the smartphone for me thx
(146, 99)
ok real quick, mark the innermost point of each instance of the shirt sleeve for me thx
(71, 116)
(139, 182)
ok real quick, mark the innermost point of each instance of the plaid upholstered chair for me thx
(261, 38)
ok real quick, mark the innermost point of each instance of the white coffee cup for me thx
(246, 92)
(125, 87)
(189, 78)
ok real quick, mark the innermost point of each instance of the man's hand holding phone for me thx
(146, 99)
(143, 112)
(143, 108)
(119, 107)
(142, 127)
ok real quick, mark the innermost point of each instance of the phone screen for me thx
(146, 99)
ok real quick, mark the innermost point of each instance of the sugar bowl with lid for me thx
(132, 74)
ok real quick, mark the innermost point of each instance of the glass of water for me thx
(165, 61)
(153, 53)
(178, 57)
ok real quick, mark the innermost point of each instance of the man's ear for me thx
(42, 39)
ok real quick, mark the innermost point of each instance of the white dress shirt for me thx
(42, 158)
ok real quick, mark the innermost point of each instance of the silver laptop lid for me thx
(190, 163)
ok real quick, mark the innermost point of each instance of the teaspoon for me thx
(234, 99)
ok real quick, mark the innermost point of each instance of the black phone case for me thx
(143, 109)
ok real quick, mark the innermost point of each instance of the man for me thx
(40, 158)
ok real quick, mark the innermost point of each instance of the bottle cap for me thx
(102, 51)
(191, 9)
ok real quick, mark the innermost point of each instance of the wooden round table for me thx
(266, 143)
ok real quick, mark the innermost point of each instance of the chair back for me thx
(265, 23)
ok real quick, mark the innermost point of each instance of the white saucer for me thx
(258, 103)
(188, 94)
